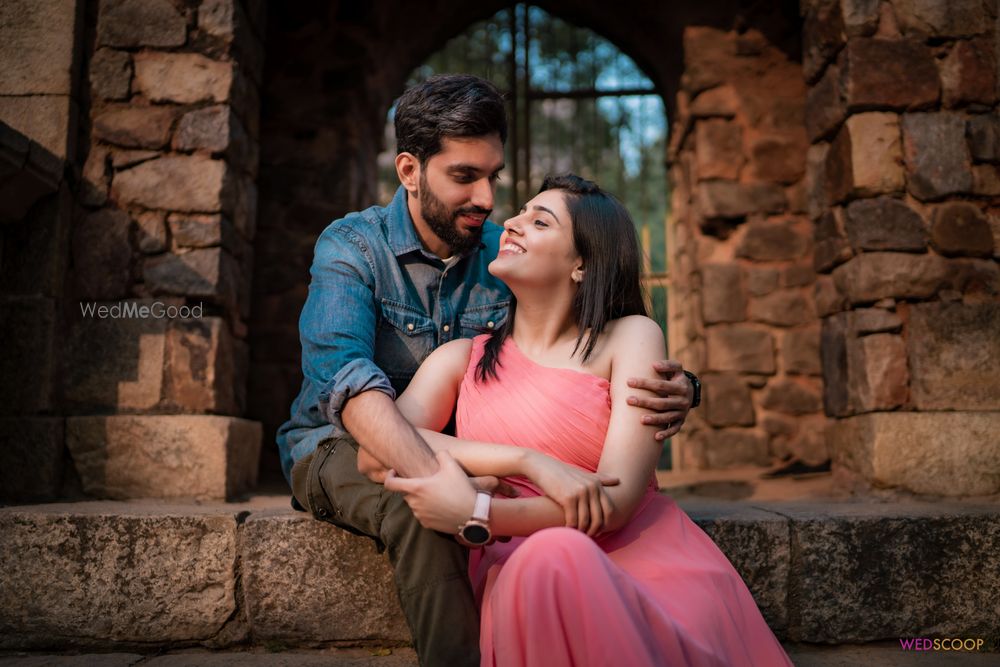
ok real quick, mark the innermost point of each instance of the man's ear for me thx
(408, 171)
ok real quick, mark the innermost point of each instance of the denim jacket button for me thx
(446, 328)
(409, 327)
(322, 513)
(490, 325)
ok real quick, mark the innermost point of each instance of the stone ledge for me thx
(146, 574)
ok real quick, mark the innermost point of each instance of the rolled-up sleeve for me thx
(338, 324)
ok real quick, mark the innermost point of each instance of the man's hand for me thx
(443, 501)
(674, 394)
(580, 493)
(370, 467)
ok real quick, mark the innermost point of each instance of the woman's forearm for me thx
(481, 458)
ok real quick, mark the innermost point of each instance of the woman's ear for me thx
(577, 274)
(408, 171)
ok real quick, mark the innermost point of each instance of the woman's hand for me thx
(444, 501)
(580, 493)
(674, 395)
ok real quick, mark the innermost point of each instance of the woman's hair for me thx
(605, 238)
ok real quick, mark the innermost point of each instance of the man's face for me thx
(457, 187)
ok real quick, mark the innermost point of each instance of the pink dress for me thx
(656, 592)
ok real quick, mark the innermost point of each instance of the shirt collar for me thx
(403, 237)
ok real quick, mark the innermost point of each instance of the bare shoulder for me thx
(634, 330)
(451, 355)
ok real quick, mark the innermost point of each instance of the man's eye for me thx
(495, 178)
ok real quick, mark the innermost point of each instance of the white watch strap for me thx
(481, 510)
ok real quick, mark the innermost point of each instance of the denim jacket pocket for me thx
(404, 339)
(482, 319)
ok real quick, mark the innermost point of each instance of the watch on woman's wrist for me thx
(476, 532)
(696, 383)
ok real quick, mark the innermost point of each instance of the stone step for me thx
(138, 575)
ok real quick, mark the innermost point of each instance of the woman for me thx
(626, 578)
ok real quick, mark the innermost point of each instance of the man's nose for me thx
(482, 194)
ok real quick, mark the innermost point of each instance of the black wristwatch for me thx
(696, 383)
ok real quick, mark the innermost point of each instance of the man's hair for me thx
(605, 238)
(448, 105)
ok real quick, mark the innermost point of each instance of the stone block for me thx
(102, 255)
(723, 297)
(878, 376)
(38, 46)
(136, 127)
(285, 556)
(707, 52)
(801, 274)
(115, 572)
(739, 348)
(986, 180)
(954, 353)
(137, 23)
(205, 369)
(732, 447)
(718, 149)
(191, 183)
(761, 281)
(960, 229)
(199, 272)
(94, 187)
(34, 453)
(894, 74)
(785, 308)
(860, 16)
(111, 74)
(876, 320)
(939, 453)
(778, 158)
(729, 199)
(815, 181)
(822, 37)
(756, 542)
(727, 400)
(48, 120)
(185, 78)
(151, 231)
(28, 354)
(983, 134)
(123, 159)
(969, 74)
(937, 157)
(871, 276)
(865, 158)
(884, 223)
(189, 230)
(768, 241)
(827, 297)
(792, 396)
(863, 572)
(800, 351)
(721, 101)
(834, 333)
(164, 456)
(825, 108)
(115, 356)
(931, 18)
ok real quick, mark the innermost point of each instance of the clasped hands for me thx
(444, 500)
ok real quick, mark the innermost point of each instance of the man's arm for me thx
(337, 328)
(674, 396)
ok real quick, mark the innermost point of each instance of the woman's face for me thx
(537, 244)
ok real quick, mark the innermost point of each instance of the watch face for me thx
(475, 534)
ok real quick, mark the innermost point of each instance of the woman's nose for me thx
(513, 225)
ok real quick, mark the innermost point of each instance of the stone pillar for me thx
(742, 313)
(167, 241)
(905, 196)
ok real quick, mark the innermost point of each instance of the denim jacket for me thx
(378, 304)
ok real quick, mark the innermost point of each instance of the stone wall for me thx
(742, 312)
(903, 165)
(169, 177)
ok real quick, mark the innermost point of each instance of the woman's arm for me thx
(630, 453)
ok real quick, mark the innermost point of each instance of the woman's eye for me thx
(540, 223)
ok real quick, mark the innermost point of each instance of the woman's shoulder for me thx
(634, 328)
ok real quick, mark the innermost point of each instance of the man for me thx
(388, 286)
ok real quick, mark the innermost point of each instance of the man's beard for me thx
(444, 222)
